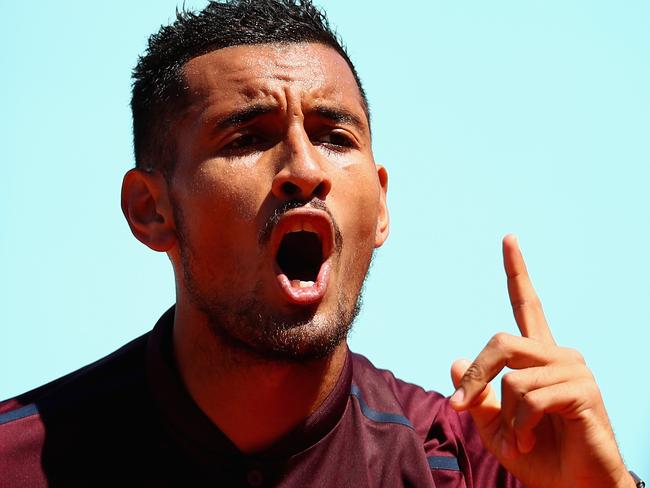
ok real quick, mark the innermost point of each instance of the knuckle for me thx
(591, 388)
(589, 374)
(531, 402)
(499, 341)
(580, 371)
(585, 399)
(509, 381)
(539, 377)
(526, 303)
(475, 373)
(574, 355)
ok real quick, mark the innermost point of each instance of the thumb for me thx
(485, 408)
(458, 369)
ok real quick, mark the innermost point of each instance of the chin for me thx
(301, 336)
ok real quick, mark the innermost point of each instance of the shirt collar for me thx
(195, 432)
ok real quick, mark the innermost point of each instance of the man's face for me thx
(278, 203)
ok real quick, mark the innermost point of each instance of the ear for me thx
(383, 219)
(146, 206)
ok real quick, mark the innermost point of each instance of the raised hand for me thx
(550, 428)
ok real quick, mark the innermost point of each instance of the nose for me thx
(303, 174)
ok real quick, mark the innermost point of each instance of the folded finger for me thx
(562, 398)
(501, 351)
(515, 385)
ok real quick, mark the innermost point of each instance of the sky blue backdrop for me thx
(530, 117)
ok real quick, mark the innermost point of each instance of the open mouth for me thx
(303, 243)
(300, 256)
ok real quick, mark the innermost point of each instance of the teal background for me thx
(530, 117)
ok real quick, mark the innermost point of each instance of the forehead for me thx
(240, 74)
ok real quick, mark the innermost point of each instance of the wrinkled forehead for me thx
(240, 74)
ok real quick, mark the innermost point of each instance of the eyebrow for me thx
(244, 115)
(340, 116)
(239, 117)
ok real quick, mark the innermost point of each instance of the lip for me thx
(313, 220)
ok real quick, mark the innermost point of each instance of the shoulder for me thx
(381, 389)
(65, 416)
(450, 439)
(105, 376)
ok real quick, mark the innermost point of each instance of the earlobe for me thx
(146, 206)
(383, 219)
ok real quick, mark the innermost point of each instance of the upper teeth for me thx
(303, 226)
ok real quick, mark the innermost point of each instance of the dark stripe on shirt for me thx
(19, 413)
(372, 414)
(443, 462)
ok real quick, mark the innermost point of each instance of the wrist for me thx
(630, 480)
(638, 482)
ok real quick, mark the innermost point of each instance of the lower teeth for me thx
(301, 284)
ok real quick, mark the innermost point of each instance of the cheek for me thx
(224, 192)
(219, 216)
(359, 242)
(360, 211)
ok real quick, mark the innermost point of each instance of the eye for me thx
(337, 140)
(243, 142)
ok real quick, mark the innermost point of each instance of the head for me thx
(255, 174)
(160, 89)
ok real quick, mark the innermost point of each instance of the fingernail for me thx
(508, 451)
(526, 442)
(458, 396)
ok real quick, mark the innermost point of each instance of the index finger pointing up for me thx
(526, 305)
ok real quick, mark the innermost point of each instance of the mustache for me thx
(267, 230)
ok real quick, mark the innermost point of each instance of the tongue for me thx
(305, 292)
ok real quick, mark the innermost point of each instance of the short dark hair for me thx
(158, 83)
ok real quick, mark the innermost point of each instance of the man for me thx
(254, 173)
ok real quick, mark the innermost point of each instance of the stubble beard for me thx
(245, 324)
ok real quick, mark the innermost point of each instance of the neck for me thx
(254, 401)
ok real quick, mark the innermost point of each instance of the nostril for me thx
(321, 190)
(290, 189)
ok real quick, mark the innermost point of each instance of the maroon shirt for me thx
(128, 420)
